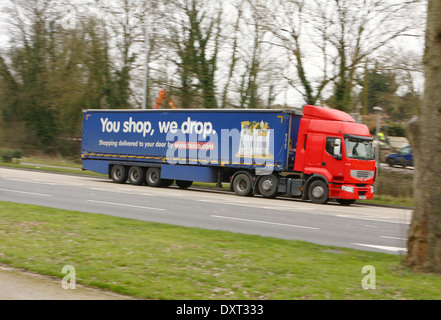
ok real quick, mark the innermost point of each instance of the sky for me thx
(3, 27)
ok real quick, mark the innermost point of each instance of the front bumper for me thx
(351, 191)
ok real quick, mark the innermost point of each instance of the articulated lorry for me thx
(318, 154)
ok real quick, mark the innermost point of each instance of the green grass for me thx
(50, 169)
(159, 261)
(390, 200)
(52, 160)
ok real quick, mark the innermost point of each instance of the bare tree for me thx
(260, 64)
(194, 37)
(328, 41)
(424, 239)
(125, 24)
(234, 57)
(52, 71)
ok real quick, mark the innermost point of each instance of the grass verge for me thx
(159, 261)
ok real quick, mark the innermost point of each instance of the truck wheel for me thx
(318, 192)
(242, 185)
(136, 175)
(153, 177)
(346, 202)
(118, 174)
(184, 184)
(268, 186)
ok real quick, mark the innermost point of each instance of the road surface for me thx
(363, 227)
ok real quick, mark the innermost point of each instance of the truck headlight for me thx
(348, 189)
(372, 189)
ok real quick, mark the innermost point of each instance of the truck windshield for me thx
(358, 147)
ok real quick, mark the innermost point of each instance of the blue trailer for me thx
(316, 154)
(158, 147)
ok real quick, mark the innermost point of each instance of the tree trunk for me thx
(424, 242)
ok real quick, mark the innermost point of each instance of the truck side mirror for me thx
(337, 149)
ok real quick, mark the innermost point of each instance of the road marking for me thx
(246, 204)
(290, 209)
(30, 193)
(361, 216)
(125, 205)
(394, 249)
(398, 220)
(133, 192)
(266, 222)
(29, 181)
(118, 191)
(243, 203)
(393, 238)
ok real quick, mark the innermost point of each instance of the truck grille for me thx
(362, 174)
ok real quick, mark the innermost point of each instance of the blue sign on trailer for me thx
(220, 138)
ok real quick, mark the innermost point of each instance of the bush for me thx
(17, 154)
(9, 155)
(397, 129)
(395, 184)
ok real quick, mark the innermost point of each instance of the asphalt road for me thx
(358, 226)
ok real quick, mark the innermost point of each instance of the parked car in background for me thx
(403, 158)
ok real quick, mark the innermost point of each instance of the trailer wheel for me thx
(318, 192)
(118, 174)
(242, 185)
(136, 175)
(268, 186)
(184, 184)
(153, 177)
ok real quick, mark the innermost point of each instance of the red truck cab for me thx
(335, 155)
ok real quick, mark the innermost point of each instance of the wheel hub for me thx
(318, 192)
(242, 185)
(267, 185)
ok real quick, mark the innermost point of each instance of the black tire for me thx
(136, 175)
(153, 177)
(268, 186)
(184, 184)
(118, 174)
(318, 192)
(242, 185)
(390, 162)
(346, 202)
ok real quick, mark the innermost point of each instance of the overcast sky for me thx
(3, 26)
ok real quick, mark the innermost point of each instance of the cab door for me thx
(332, 157)
(314, 145)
